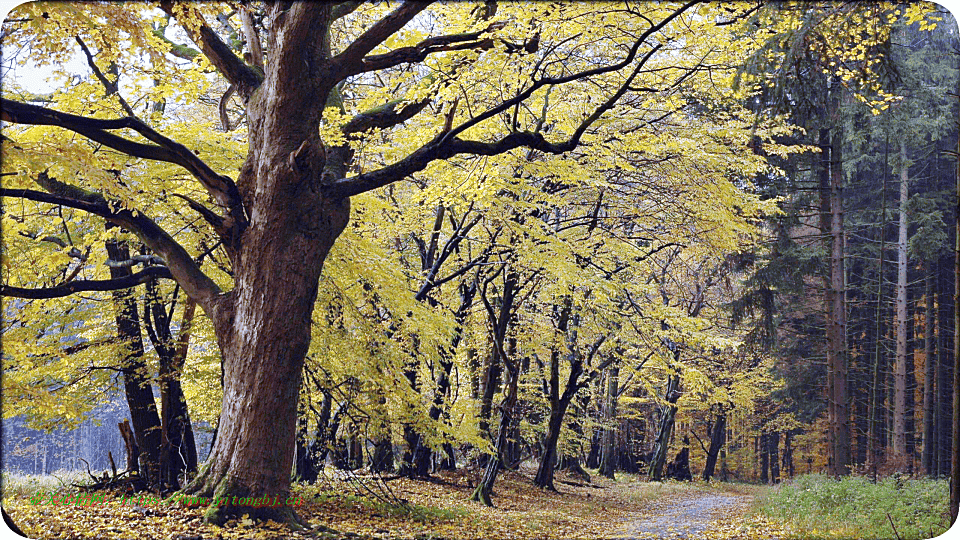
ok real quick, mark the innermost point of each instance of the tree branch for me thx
(110, 87)
(446, 144)
(221, 187)
(420, 51)
(246, 78)
(149, 273)
(375, 35)
(182, 267)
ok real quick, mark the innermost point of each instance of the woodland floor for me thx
(355, 506)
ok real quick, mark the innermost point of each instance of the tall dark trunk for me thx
(831, 221)
(955, 446)
(788, 453)
(608, 455)
(717, 439)
(144, 418)
(500, 323)
(773, 448)
(764, 447)
(178, 452)
(558, 403)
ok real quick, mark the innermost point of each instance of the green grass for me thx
(817, 506)
(18, 486)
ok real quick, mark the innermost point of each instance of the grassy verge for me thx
(819, 507)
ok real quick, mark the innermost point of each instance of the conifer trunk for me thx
(900, 371)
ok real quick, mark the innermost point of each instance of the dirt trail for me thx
(683, 516)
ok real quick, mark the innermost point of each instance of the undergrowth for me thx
(820, 507)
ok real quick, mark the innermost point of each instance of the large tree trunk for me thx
(900, 371)
(263, 325)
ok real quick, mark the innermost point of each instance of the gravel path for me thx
(685, 517)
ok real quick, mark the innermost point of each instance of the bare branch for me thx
(149, 273)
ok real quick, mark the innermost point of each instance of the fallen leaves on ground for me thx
(351, 506)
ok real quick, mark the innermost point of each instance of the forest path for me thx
(685, 515)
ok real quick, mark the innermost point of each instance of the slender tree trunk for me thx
(608, 455)
(944, 378)
(484, 490)
(837, 335)
(667, 415)
(558, 403)
(717, 439)
(876, 394)
(955, 446)
(900, 370)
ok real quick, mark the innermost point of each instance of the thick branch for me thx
(183, 268)
(223, 189)
(149, 273)
(419, 52)
(352, 56)
(384, 116)
(219, 53)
